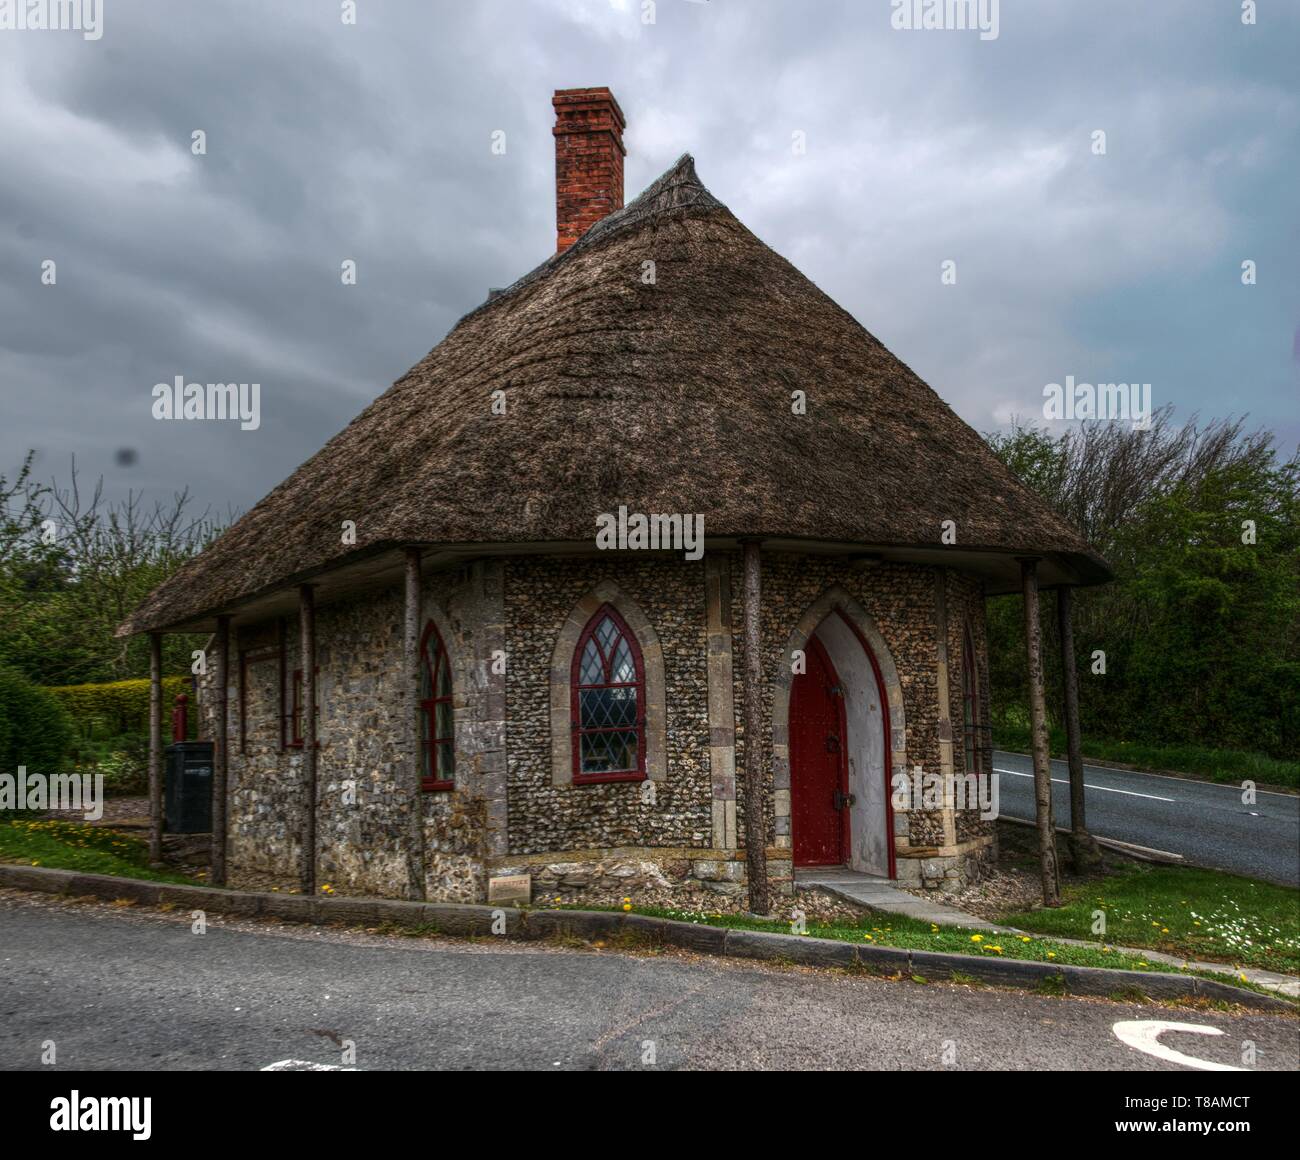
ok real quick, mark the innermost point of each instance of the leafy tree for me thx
(72, 568)
(1201, 630)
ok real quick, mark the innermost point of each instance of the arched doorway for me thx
(819, 783)
(840, 764)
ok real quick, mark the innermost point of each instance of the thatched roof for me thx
(667, 397)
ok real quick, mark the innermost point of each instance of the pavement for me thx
(881, 894)
(1206, 823)
(116, 988)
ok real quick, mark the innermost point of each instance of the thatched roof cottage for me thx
(659, 514)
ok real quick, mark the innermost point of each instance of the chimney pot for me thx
(588, 161)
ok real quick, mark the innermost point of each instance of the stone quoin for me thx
(467, 687)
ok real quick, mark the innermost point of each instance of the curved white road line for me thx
(1144, 1035)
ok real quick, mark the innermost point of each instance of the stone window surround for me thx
(607, 612)
(834, 600)
(561, 672)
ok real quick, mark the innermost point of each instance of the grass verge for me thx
(1180, 910)
(62, 845)
(910, 934)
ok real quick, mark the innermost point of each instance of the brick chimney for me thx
(588, 160)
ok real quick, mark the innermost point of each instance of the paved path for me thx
(1206, 823)
(117, 989)
(881, 894)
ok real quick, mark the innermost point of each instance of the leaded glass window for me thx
(437, 729)
(608, 701)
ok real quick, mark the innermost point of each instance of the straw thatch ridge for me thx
(671, 396)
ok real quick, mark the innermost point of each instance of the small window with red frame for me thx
(608, 703)
(295, 710)
(437, 725)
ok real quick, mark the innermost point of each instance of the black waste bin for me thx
(189, 787)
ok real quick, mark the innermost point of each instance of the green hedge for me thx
(35, 730)
(118, 707)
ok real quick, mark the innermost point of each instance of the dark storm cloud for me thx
(372, 143)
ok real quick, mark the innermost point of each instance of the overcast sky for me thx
(372, 142)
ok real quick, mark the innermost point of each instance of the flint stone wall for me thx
(364, 800)
(506, 813)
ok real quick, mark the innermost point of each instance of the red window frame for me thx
(432, 746)
(578, 731)
(293, 716)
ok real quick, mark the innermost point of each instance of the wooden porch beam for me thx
(412, 739)
(755, 782)
(1083, 847)
(221, 754)
(1038, 731)
(307, 635)
(155, 750)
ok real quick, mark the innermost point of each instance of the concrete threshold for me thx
(881, 894)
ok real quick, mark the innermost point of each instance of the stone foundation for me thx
(948, 871)
(680, 877)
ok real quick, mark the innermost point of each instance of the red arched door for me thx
(818, 769)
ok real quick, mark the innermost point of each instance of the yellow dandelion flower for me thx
(977, 938)
(627, 906)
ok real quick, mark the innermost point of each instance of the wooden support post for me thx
(412, 739)
(1083, 846)
(307, 634)
(155, 750)
(755, 788)
(1038, 732)
(221, 754)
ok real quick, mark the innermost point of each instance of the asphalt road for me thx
(1206, 823)
(119, 989)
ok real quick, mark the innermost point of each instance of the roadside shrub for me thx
(35, 729)
(117, 707)
(126, 766)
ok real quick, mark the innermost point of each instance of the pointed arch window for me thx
(437, 727)
(608, 706)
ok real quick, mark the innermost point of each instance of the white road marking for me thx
(1228, 785)
(1089, 785)
(305, 1065)
(1144, 1035)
